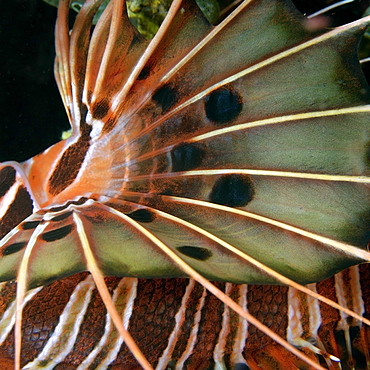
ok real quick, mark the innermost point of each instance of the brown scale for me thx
(92, 327)
(150, 320)
(267, 302)
(209, 328)
(41, 317)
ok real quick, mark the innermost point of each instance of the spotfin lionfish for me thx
(236, 153)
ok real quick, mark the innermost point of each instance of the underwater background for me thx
(31, 110)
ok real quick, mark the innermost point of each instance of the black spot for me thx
(234, 190)
(13, 248)
(359, 357)
(241, 366)
(171, 365)
(29, 225)
(354, 332)
(53, 235)
(340, 338)
(167, 192)
(144, 74)
(186, 156)
(200, 254)
(142, 215)
(136, 40)
(7, 179)
(61, 217)
(166, 97)
(100, 109)
(223, 105)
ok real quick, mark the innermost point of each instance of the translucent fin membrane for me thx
(247, 169)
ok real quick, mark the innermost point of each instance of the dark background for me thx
(32, 116)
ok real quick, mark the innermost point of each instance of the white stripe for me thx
(179, 320)
(8, 319)
(110, 343)
(342, 324)
(294, 329)
(314, 313)
(349, 293)
(193, 334)
(253, 172)
(218, 353)
(7, 200)
(358, 302)
(63, 339)
(22, 180)
(242, 331)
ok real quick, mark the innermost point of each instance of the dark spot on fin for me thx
(29, 225)
(223, 105)
(145, 73)
(136, 40)
(166, 97)
(100, 109)
(186, 156)
(7, 179)
(234, 190)
(53, 235)
(167, 192)
(14, 248)
(142, 215)
(61, 217)
(200, 254)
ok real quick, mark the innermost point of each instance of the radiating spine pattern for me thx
(235, 153)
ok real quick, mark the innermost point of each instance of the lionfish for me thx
(235, 153)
